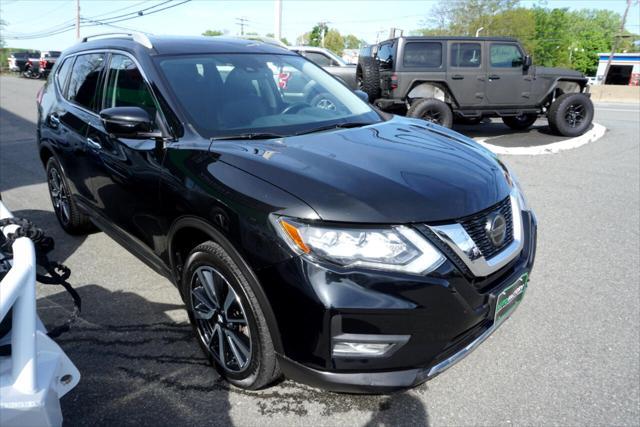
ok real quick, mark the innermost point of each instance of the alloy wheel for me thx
(574, 116)
(59, 195)
(326, 104)
(220, 319)
(432, 116)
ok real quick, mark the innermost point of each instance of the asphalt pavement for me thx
(569, 355)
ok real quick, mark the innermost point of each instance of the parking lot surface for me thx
(568, 355)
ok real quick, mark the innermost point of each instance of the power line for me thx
(61, 28)
(241, 22)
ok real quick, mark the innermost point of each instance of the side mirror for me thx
(362, 95)
(128, 122)
(527, 62)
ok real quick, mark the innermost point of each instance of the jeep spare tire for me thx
(571, 114)
(520, 122)
(368, 77)
(432, 110)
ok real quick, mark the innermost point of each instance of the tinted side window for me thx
(83, 85)
(319, 59)
(63, 73)
(422, 54)
(466, 55)
(386, 55)
(126, 87)
(506, 56)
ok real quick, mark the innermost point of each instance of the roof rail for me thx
(136, 37)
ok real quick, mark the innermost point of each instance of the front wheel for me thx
(571, 114)
(227, 318)
(521, 121)
(432, 110)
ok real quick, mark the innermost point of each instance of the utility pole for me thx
(616, 40)
(77, 19)
(242, 22)
(278, 20)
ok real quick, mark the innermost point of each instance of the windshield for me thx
(281, 95)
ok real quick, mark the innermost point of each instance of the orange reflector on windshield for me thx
(292, 232)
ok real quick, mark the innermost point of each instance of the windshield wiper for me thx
(250, 135)
(345, 125)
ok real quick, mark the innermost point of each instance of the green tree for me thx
(352, 42)
(213, 33)
(2, 25)
(464, 17)
(318, 31)
(334, 41)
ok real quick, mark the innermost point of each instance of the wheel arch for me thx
(420, 89)
(186, 233)
(562, 85)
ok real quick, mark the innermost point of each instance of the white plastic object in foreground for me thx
(37, 373)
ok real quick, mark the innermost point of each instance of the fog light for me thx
(360, 349)
(364, 345)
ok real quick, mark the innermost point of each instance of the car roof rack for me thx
(136, 37)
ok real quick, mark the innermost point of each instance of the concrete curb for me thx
(595, 133)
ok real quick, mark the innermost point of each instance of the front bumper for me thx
(445, 315)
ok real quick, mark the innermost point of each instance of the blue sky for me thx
(362, 18)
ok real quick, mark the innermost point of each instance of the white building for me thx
(625, 69)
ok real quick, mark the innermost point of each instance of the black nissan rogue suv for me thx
(334, 244)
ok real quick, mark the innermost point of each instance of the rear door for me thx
(508, 83)
(387, 60)
(72, 117)
(466, 73)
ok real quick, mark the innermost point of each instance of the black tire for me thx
(71, 219)
(520, 122)
(260, 367)
(368, 77)
(571, 114)
(432, 110)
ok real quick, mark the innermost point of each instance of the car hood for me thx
(398, 171)
(557, 72)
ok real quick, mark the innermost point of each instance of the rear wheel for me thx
(571, 114)
(432, 110)
(71, 219)
(521, 121)
(227, 318)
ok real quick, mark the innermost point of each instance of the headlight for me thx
(396, 248)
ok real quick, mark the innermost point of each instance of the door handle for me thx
(54, 120)
(494, 77)
(457, 77)
(94, 144)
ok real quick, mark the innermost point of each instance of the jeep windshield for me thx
(225, 95)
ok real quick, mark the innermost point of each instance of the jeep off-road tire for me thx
(368, 77)
(520, 122)
(571, 114)
(432, 110)
(237, 330)
(71, 219)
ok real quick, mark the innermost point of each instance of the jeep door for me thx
(508, 82)
(386, 56)
(466, 73)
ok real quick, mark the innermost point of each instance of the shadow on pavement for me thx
(138, 366)
(19, 162)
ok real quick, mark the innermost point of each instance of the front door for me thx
(508, 82)
(466, 73)
(126, 171)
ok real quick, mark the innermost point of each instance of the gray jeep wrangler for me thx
(442, 79)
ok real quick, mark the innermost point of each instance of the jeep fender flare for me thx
(562, 85)
(436, 90)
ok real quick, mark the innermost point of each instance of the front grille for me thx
(475, 226)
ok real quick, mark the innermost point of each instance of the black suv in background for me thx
(343, 247)
(442, 79)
